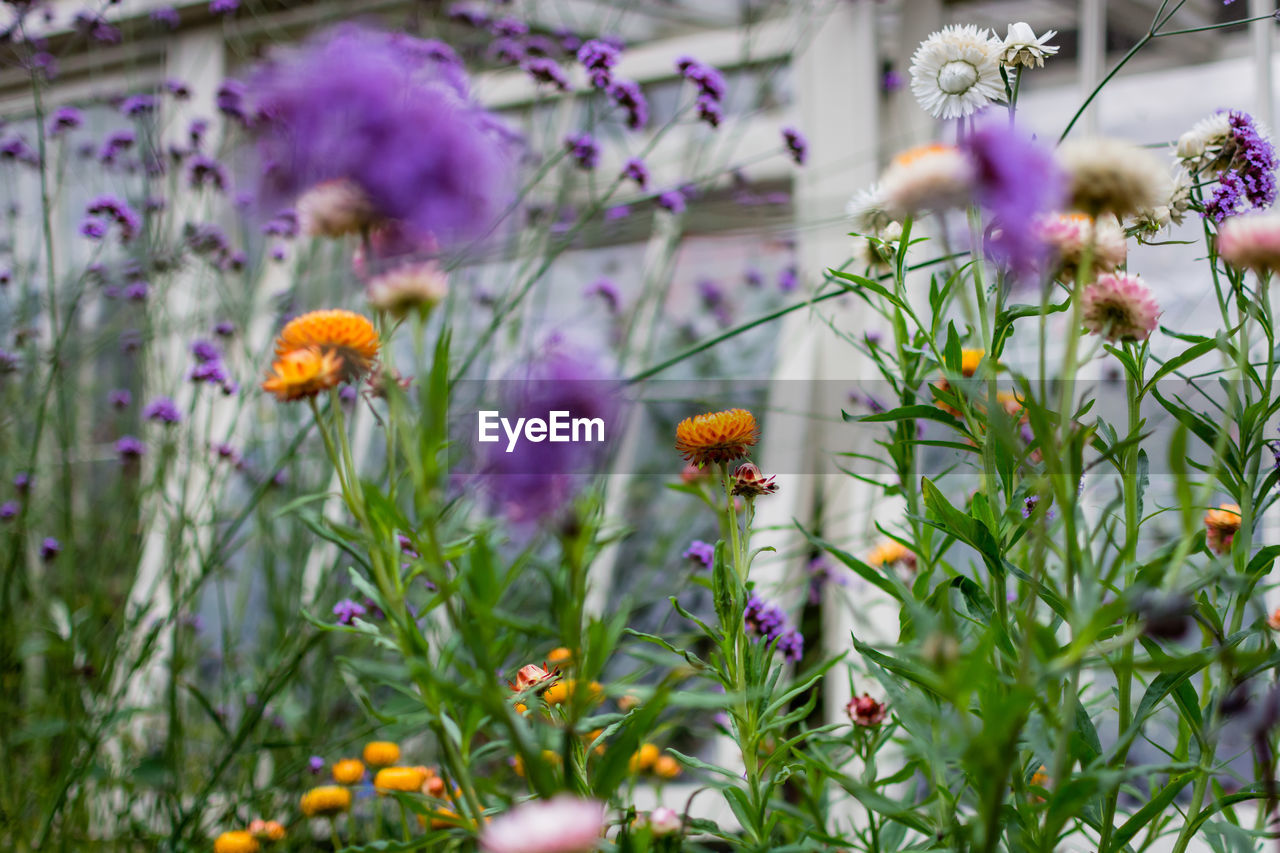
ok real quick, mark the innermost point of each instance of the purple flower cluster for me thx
(223, 7)
(1017, 182)
(166, 16)
(112, 210)
(205, 171)
(599, 58)
(700, 552)
(115, 142)
(711, 88)
(208, 367)
(768, 621)
(797, 145)
(162, 410)
(608, 293)
(583, 150)
(392, 122)
(347, 611)
(63, 120)
(628, 95)
(637, 171)
(50, 548)
(1251, 176)
(546, 70)
(672, 201)
(137, 105)
(130, 448)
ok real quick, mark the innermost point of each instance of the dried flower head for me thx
(1119, 307)
(1251, 241)
(1220, 527)
(335, 208)
(325, 800)
(956, 72)
(1023, 48)
(748, 481)
(381, 753)
(927, 177)
(413, 286)
(344, 334)
(1069, 235)
(716, 437)
(531, 675)
(868, 211)
(866, 711)
(1112, 176)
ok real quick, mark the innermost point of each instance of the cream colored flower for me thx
(1204, 142)
(334, 209)
(1023, 48)
(867, 210)
(956, 72)
(416, 285)
(1112, 176)
(928, 177)
(1152, 220)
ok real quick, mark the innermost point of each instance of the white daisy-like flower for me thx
(1112, 176)
(927, 177)
(867, 210)
(956, 72)
(415, 285)
(334, 209)
(1204, 141)
(1022, 47)
(1151, 220)
(879, 253)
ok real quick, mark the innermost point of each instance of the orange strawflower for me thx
(381, 753)
(1273, 621)
(560, 655)
(406, 779)
(348, 771)
(666, 767)
(303, 373)
(717, 436)
(891, 552)
(1221, 525)
(326, 800)
(969, 361)
(238, 841)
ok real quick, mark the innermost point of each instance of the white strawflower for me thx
(1111, 176)
(867, 210)
(927, 177)
(1153, 219)
(1203, 143)
(410, 286)
(878, 253)
(334, 209)
(956, 72)
(1023, 48)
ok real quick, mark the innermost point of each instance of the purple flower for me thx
(205, 171)
(509, 27)
(769, 622)
(1017, 181)
(205, 351)
(162, 410)
(94, 229)
(462, 14)
(49, 549)
(710, 111)
(115, 210)
(710, 82)
(507, 50)
(637, 171)
(348, 395)
(583, 150)
(229, 99)
(347, 610)
(599, 58)
(700, 552)
(16, 148)
(178, 89)
(797, 145)
(8, 510)
(607, 291)
(628, 95)
(392, 123)
(791, 644)
(754, 278)
(671, 200)
(209, 371)
(130, 448)
(1250, 176)
(64, 119)
(22, 482)
(223, 7)
(545, 70)
(136, 291)
(535, 481)
(711, 293)
(115, 142)
(8, 362)
(166, 16)
(617, 212)
(224, 328)
(119, 398)
(138, 105)
(890, 81)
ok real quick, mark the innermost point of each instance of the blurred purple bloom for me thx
(205, 171)
(118, 211)
(510, 27)
(787, 279)
(209, 371)
(347, 610)
(545, 70)
(797, 145)
(224, 328)
(392, 122)
(162, 410)
(769, 622)
(700, 552)
(229, 100)
(138, 105)
(710, 111)
(64, 119)
(136, 291)
(628, 95)
(166, 16)
(507, 50)
(754, 277)
(22, 482)
(49, 549)
(607, 291)
(130, 448)
(599, 58)
(463, 14)
(119, 398)
(8, 510)
(94, 229)
(178, 89)
(348, 395)
(223, 7)
(671, 200)
(114, 143)
(205, 351)
(1017, 181)
(637, 171)
(710, 292)
(890, 81)
(710, 81)
(583, 150)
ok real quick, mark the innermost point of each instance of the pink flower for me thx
(563, 824)
(1119, 306)
(1252, 240)
(866, 711)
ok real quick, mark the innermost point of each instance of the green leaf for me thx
(1157, 804)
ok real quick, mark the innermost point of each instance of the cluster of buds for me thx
(749, 482)
(649, 759)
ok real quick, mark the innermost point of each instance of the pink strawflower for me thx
(1119, 306)
(563, 824)
(1252, 240)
